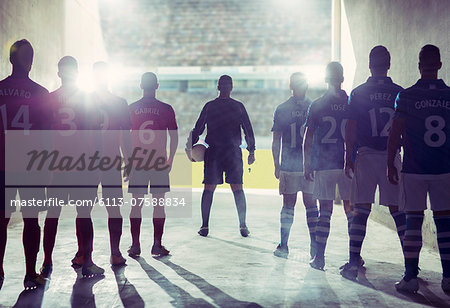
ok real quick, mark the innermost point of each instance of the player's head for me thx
(68, 68)
(429, 60)
(334, 74)
(298, 84)
(225, 84)
(21, 55)
(101, 73)
(149, 82)
(379, 60)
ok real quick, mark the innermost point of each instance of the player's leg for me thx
(85, 228)
(31, 241)
(135, 224)
(115, 222)
(442, 221)
(312, 216)
(159, 218)
(207, 198)
(414, 202)
(322, 232)
(51, 227)
(399, 220)
(440, 205)
(231, 163)
(286, 221)
(348, 209)
(241, 207)
(4, 221)
(212, 176)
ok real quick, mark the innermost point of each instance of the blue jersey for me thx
(372, 106)
(328, 117)
(426, 109)
(289, 119)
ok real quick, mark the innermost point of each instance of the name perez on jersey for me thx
(380, 96)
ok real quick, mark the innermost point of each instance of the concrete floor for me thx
(224, 269)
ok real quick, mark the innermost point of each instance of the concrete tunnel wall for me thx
(403, 26)
(55, 28)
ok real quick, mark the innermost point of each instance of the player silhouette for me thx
(224, 118)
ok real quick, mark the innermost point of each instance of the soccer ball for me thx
(198, 152)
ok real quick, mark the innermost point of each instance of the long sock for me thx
(87, 237)
(3, 236)
(31, 241)
(443, 238)
(50, 229)
(115, 232)
(400, 223)
(312, 215)
(158, 229)
(357, 233)
(78, 232)
(135, 227)
(241, 206)
(412, 243)
(207, 198)
(349, 220)
(286, 221)
(322, 231)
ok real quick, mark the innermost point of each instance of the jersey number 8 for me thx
(433, 129)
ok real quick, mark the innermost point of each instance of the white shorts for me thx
(370, 172)
(414, 189)
(293, 182)
(325, 182)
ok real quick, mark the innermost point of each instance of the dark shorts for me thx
(29, 195)
(220, 160)
(139, 179)
(111, 181)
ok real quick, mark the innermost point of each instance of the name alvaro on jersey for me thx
(15, 92)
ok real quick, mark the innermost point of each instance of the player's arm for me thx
(198, 129)
(307, 149)
(276, 150)
(173, 135)
(395, 135)
(125, 138)
(350, 138)
(249, 135)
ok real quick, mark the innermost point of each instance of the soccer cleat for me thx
(203, 231)
(349, 271)
(78, 260)
(317, 262)
(46, 271)
(92, 271)
(281, 251)
(2, 279)
(34, 283)
(159, 251)
(445, 284)
(361, 263)
(244, 231)
(407, 286)
(117, 260)
(134, 251)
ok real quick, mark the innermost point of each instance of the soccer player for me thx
(323, 155)
(288, 130)
(371, 109)
(422, 121)
(23, 107)
(224, 118)
(151, 121)
(73, 121)
(116, 125)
